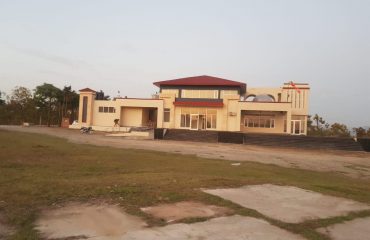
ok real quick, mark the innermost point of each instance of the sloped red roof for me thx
(200, 81)
(86, 90)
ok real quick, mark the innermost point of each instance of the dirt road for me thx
(354, 164)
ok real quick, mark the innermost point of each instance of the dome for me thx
(264, 98)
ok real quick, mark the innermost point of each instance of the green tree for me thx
(320, 128)
(70, 102)
(2, 101)
(21, 107)
(361, 132)
(339, 130)
(47, 98)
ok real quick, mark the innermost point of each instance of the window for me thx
(211, 118)
(84, 109)
(228, 93)
(107, 109)
(259, 122)
(190, 93)
(185, 118)
(166, 115)
(171, 91)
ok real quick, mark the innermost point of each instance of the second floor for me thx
(207, 89)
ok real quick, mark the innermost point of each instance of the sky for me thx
(127, 45)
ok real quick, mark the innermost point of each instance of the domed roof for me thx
(264, 98)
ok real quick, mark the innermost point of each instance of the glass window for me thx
(106, 109)
(84, 109)
(101, 109)
(191, 93)
(166, 115)
(259, 122)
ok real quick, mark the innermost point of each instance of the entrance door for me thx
(202, 122)
(296, 127)
(194, 119)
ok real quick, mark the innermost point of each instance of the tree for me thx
(339, 130)
(2, 101)
(319, 121)
(101, 96)
(70, 102)
(47, 98)
(320, 128)
(21, 106)
(361, 132)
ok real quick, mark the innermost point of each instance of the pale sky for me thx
(127, 45)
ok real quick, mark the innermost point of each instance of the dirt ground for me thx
(354, 164)
(180, 210)
(223, 228)
(357, 229)
(81, 221)
(290, 204)
(5, 230)
(107, 222)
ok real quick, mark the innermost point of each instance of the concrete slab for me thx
(223, 228)
(180, 210)
(357, 229)
(80, 221)
(287, 203)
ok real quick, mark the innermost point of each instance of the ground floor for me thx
(249, 121)
(227, 115)
(212, 119)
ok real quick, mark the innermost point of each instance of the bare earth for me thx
(357, 229)
(177, 211)
(82, 221)
(290, 204)
(104, 222)
(354, 164)
(5, 230)
(223, 228)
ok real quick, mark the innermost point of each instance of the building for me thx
(203, 103)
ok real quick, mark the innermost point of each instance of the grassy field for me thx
(38, 171)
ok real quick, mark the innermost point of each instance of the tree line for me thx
(47, 105)
(317, 126)
(44, 105)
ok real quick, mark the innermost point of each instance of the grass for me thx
(39, 171)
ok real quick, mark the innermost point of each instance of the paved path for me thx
(354, 164)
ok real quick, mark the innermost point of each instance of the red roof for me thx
(200, 81)
(86, 90)
(199, 104)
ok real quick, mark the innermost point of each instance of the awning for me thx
(198, 104)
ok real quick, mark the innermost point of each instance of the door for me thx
(296, 127)
(194, 119)
(202, 122)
